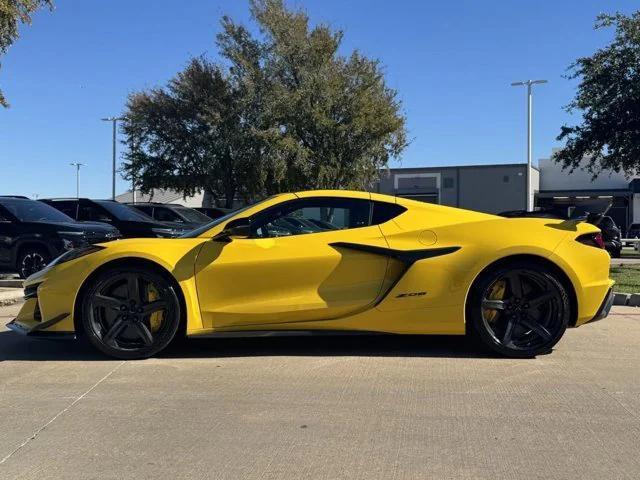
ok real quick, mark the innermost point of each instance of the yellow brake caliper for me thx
(155, 320)
(497, 293)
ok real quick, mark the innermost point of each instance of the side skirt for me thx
(286, 333)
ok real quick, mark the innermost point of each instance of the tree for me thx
(12, 13)
(609, 98)
(328, 121)
(189, 136)
(286, 112)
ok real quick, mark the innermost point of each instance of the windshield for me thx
(192, 215)
(34, 211)
(200, 230)
(124, 212)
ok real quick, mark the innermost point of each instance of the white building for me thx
(561, 187)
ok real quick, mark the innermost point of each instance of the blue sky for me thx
(451, 62)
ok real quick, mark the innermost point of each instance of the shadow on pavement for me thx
(17, 347)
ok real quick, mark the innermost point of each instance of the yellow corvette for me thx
(329, 262)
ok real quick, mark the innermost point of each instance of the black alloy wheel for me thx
(519, 311)
(31, 260)
(130, 313)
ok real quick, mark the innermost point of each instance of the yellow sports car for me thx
(329, 262)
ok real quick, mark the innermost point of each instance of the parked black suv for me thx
(131, 222)
(214, 212)
(175, 215)
(33, 233)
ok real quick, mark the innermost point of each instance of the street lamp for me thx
(113, 178)
(528, 84)
(77, 165)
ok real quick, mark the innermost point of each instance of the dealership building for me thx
(500, 187)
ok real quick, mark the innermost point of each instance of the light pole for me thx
(528, 84)
(77, 165)
(113, 178)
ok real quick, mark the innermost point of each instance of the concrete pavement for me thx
(324, 408)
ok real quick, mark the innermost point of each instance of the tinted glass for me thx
(123, 212)
(200, 230)
(191, 215)
(383, 212)
(313, 216)
(92, 213)
(68, 208)
(34, 211)
(163, 214)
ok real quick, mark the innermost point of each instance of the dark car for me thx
(33, 233)
(176, 215)
(214, 212)
(131, 222)
(633, 231)
(610, 234)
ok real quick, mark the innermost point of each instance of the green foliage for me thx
(12, 13)
(609, 98)
(289, 110)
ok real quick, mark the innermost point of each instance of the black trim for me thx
(605, 307)
(408, 257)
(37, 329)
(283, 333)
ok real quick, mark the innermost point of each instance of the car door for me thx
(8, 236)
(285, 273)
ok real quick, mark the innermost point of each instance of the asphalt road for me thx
(324, 408)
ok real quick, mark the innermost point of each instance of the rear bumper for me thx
(605, 307)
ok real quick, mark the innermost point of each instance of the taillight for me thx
(592, 239)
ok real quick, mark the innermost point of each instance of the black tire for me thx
(120, 317)
(528, 318)
(31, 259)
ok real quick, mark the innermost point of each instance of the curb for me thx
(11, 283)
(626, 299)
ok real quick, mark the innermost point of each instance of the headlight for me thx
(75, 254)
(164, 232)
(71, 239)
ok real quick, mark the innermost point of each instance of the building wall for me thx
(554, 178)
(486, 188)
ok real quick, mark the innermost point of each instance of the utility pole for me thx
(529, 189)
(77, 165)
(114, 120)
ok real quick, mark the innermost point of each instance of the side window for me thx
(163, 214)
(4, 218)
(383, 212)
(313, 216)
(146, 210)
(68, 208)
(91, 213)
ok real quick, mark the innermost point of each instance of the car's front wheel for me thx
(519, 310)
(130, 313)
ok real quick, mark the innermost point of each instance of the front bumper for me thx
(39, 329)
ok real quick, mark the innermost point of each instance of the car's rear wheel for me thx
(32, 260)
(519, 310)
(130, 313)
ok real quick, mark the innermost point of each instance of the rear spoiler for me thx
(591, 211)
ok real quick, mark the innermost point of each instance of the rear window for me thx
(383, 212)
(34, 211)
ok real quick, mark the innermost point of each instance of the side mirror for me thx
(239, 228)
